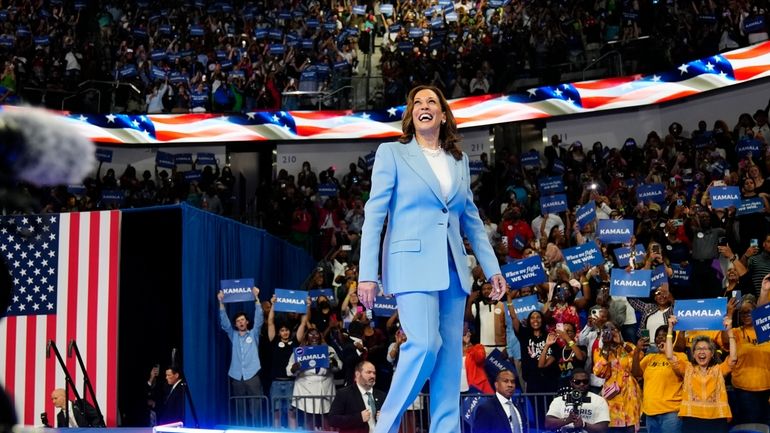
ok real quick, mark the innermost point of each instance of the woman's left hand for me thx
(499, 286)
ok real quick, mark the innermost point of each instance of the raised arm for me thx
(224, 321)
(303, 324)
(259, 315)
(271, 320)
(670, 338)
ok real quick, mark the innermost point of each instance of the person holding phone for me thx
(662, 391)
(752, 226)
(758, 264)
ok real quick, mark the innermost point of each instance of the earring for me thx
(443, 122)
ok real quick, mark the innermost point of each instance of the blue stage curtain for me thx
(216, 248)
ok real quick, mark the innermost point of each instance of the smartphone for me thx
(672, 180)
(655, 249)
(719, 183)
(737, 294)
(754, 243)
(645, 333)
(727, 172)
(722, 241)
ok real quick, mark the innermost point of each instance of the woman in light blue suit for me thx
(421, 183)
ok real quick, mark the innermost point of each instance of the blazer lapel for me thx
(414, 157)
(457, 169)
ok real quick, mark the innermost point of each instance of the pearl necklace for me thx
(431, 152)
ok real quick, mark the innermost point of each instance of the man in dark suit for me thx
(174, 402)
(355, 409)
(498, 414)
(81, 413)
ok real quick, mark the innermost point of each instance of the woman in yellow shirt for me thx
(662, 391)
(704, 405)
(751, 375)
(613, 363)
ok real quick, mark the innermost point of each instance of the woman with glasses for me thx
(612, 362)
(751, 375)
(662, 392)
(704, 406)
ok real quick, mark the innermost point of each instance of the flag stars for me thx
(557, 92)
(110, 118)
(16, 247)
(10, 238)
(24, 221)
(135, 123)
(30, 280)
(37, 254)
(683, 69)
(52, 237)
(275, 118)
(44, 262)
(50, 271)
(532, 92)
(36, 289)
(43, 297)
(22, 307)
(43, 280)
(52, 253)
(49, 288)
(3, 247)
(39, 220)
(365, 116)
(723, 74)
(392, 111)
(44, 246)
(23, 254)
(49, 306)
(655, 78)
(16, 264)
(9, 256)
(83, 118)
(30, 263)
(23, 272)
(52, 219)
(709, 67)
(250, 115)
(29, 298)
(46, 228)
(36, 271)
(35, 306)
(4, 231)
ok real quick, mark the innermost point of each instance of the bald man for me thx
(81, 413)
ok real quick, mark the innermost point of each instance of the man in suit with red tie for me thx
(355, 409)
(498, 414)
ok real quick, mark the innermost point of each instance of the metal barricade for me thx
(249, 411)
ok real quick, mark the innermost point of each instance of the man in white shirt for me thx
(498, 414)
(74, 414)
(355, 409)
(582, 411)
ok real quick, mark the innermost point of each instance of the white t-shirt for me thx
(591, 412)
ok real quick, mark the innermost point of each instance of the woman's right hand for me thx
(367, 290)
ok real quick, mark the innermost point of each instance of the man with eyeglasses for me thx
(582, 411)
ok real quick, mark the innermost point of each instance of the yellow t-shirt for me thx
(715, 336)
(662, 392)
(751, 372)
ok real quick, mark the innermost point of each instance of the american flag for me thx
(691, 78)
(64, 269)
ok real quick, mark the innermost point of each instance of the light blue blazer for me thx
(423, 229)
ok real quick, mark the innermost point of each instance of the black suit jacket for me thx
(173, 405)
(91, 418)
(490, 417)
(345, 413)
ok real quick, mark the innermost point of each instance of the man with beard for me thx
(581, 411)
(517, 232)
(355, 409)
(488, 316)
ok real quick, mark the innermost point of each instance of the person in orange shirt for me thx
(704, 406)
(662, 391)
(751, 376)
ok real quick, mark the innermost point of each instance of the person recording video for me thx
(578, 410)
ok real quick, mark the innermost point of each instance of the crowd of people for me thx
(237, 56)
(625, 348)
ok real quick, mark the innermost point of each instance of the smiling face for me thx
(702, 353)
(427, 113)
(744, 314)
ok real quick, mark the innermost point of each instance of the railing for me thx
(309, 412)
(613, 53)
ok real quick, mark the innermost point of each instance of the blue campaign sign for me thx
(553, 203)
(550, 185)
(312, 357)
(386, 9)
(496, 363)
(659, 277)
(112, 196)
(681, 275)
(315, 293)
(586, 214)
(476, 167)
(581, 256)
(748, 147)
(623, 254)
(183, 158)
(634, 284)
(165, 160)
(725, 196)
(327, 190)
(761, 318)
(651, 192)
(615, 231)
(103, 155)
(206, 159)
(525, 305)
(359, 10)
(530, 159)
(237, 290)
(290, 301)
(558, 166)
(750, 206)
(525, 272)
(192, 175)
(519, 242)
(384, 307)
(700, 314)
(77, 189)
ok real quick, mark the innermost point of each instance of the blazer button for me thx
(444, 210)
